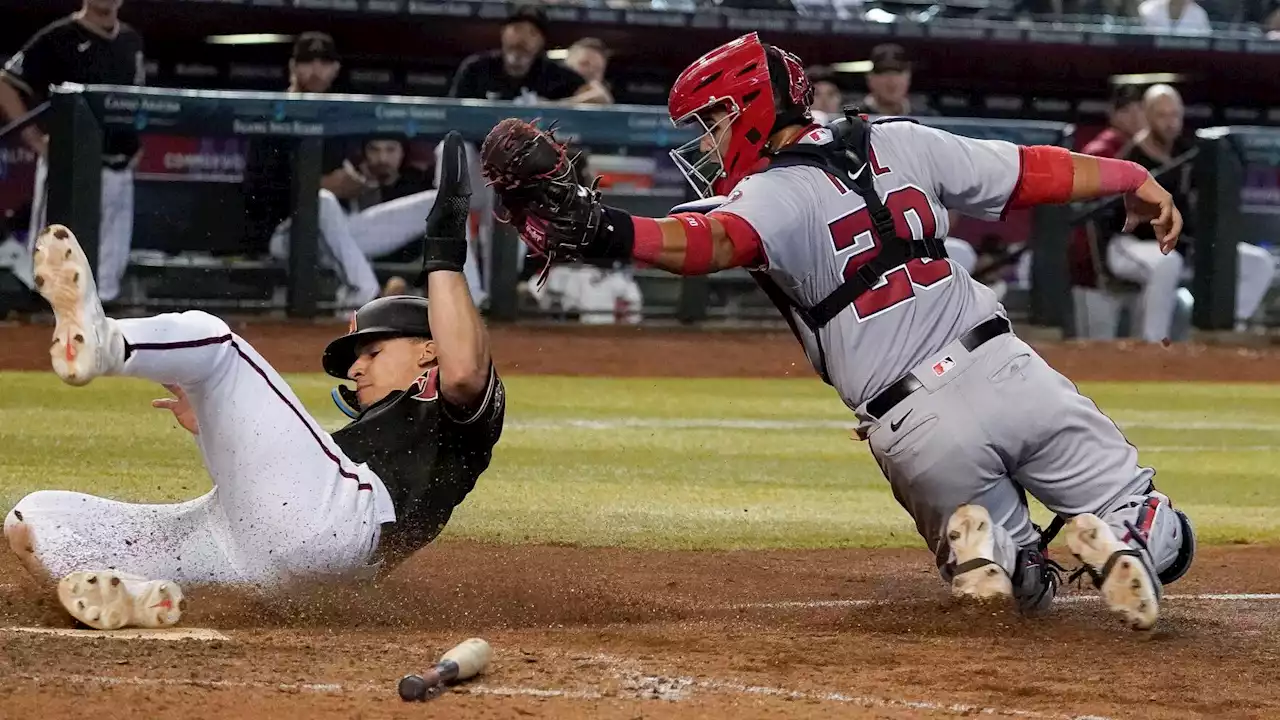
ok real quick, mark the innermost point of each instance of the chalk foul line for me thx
(726, 423)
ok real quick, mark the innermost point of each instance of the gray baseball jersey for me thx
(988, 423)
(815, 230)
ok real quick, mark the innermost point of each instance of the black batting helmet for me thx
(386, 317)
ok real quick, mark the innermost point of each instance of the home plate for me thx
(129, 634)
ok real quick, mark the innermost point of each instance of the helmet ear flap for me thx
(788, 77)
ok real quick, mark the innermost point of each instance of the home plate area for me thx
(595, 633)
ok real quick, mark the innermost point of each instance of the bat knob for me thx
(413, 688)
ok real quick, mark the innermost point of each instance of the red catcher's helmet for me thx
(761, 89)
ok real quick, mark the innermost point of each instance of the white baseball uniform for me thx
(1160, 276)
(286, 500)
(71, 50)
(350, 240)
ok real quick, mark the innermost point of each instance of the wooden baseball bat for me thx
(463, 662)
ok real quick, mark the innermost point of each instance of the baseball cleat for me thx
(85, 342)
(109, 600)
(1117, 571)
(977, 576)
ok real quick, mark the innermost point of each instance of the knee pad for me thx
(1150, 522)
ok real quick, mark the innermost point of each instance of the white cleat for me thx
(969, 532)
(85, 343)
(1126, 586)
(109, 600)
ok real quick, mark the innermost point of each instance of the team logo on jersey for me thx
(737, 193)
(427, 387)
(819, 136)
(943, 366)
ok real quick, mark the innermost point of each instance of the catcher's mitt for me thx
(537, 191)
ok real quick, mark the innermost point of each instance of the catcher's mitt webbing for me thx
(537, 193)
(445, 241)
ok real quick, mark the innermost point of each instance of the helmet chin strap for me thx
(346, 400)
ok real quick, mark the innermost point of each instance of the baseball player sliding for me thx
(289, 501)
(840, 225)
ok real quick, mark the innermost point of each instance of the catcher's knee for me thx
(1151, 522)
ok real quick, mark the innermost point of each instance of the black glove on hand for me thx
(445, 244)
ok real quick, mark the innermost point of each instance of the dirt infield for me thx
(628, 352)
(608, 633)
(594, 633)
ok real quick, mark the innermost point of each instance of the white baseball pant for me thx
(286, 501)
(115, 229)
(1160, 275)
(599, 296)
(350, 240)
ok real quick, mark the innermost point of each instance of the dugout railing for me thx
(78, 114)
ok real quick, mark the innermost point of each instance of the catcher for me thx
(289, 500)
(842, 225)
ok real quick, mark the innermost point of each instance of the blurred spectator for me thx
(1136, 256)
(390, 177)
(520, 70)
(1127, 118)
(1272, 25)
(91, 45)
(828, 100)
(889, 82)
(346, 241)
(590, 58)
(1174, 16)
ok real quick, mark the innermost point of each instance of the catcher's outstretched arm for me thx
(695, 244)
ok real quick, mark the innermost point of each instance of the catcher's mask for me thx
(386, 317)
(760, 88)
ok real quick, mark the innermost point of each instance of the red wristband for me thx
(699, 248)
(1119, 176)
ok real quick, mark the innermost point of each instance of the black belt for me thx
(881, 404)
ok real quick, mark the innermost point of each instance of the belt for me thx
(881, 404)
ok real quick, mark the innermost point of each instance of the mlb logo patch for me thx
(941, 367)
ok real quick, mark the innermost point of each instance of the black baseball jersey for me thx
(427, 452)
(484, 76)
(68, 50)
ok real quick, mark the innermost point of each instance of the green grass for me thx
(1215, 448)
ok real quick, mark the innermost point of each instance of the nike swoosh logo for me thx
(893, 426)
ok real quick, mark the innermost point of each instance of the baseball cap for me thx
(889, 58)
(820, 73)
(1125, 95)
(315, 46)
(535, 15)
